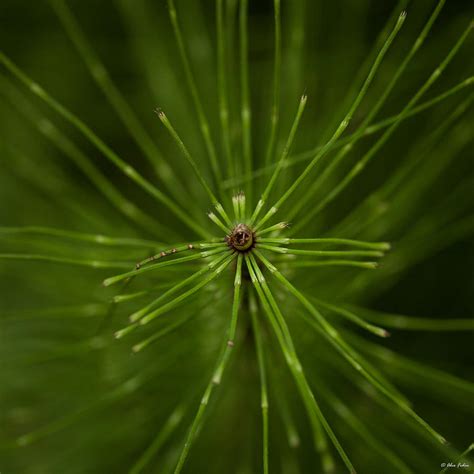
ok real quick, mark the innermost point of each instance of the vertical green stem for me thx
(274, 116)
(263, 377)
(222, 85)
(219, 370)
(203, 122)
(246, 114)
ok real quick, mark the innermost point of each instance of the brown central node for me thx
(241, 238)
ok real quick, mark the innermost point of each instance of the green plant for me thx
(298, 319)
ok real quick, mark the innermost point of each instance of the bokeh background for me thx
(63, 374)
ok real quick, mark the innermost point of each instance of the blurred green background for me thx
(59, 361)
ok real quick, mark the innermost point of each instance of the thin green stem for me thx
(179, 299)
(370, 130)
(347, 118)
(116, 99)
(163, 332)
(350, 316)
(145, 319)
(81, 236)
(349, 418)
(123, 166)
(273, 228)
(286, 345)
(371, 115)
(219, 223)
(333, 337)
(161, 437)
(172, 251)
(242, 200)
(72, 152)
(327, 263)
(336, 340)
(236, 207)
(284, 155)
(156, 266)
(412, 323)
(322, 253)
(171, 291)
(219, 370)
(203, 122)
(275, 111)
(329, 240)
(420, 108)
(165, 121)
(263, 377)
(222, 85)
(362, 162)
(99, 264)
(246, 113)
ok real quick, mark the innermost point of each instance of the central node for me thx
(241, 238)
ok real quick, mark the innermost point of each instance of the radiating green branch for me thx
(166, 263)
(123, 166)
(347, 118)
(161, 437)
(219, 370)
(286, 345)
(263, 377)
(191, 81)
(336, 340)
(98, 239)
(128, 117)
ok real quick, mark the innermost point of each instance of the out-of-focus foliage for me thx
(74, 399)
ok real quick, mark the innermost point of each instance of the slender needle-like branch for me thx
(203, 122)
(100, 264)
(116, 99)
(156, 266)
(222, 85)
(218, 222)
(179, 299)
(371, 115)
(328, 331)
(370, 130)
(274, 116)
(165, 121)
(286, 345)
(122, 165)
(103, 185)
(351, 243)
(347, 118)
(282, 159)
(263, 377)
(246, 114)
(322, 253)
(181, 284)
(354, 318)
(219, 370)
(98, 239)
(326, 263)
(412, 323)
(161, 437)
(362, 162)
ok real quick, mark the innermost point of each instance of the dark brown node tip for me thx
(242, 238)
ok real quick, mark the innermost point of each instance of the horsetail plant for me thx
(270, 297)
